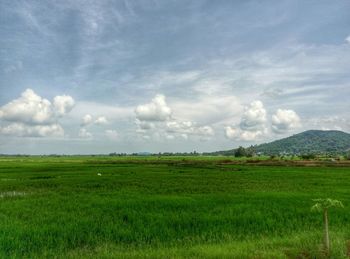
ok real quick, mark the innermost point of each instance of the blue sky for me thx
(129, 76)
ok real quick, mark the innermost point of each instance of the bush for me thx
(240, 152)
(308, 156)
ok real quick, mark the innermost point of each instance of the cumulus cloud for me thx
(23, 130)
(188, 128)
(63, 104)
(182, 129)
(230, 132)
(30, 108)
(84, 133)
(254, 117)
(244, 135)
(156, 110)
(87, 120)
(180, 126)
(33, 116)
(284, 121)
(253, 124)
(101, 120)
(155, 118)
(252, 135)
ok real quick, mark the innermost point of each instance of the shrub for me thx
(308, 156)
(240, 152)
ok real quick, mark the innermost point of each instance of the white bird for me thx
(99, 174)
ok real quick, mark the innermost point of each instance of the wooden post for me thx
(326, 231)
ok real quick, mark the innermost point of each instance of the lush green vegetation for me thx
(310, 142)
(177, 207)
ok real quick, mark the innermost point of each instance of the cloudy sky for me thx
(162, 75)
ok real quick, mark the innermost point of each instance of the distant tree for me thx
(347, 156)
(322, 205)
(240, 152)
(250, 151)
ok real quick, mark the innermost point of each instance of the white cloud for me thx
(83, 133)
(284, 121)
(156, 110)
(101, 120)
(87, 120)
(254, 117)
(188, 128)
(111, 134)
(29, 108)
(63, 104)
(244, 135)
(230, 132)
(180, 126)
(23, 130)
(252, 126)
(155, 118)
(30, 115)
(251, 135)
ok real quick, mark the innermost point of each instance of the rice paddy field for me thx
(169, 207)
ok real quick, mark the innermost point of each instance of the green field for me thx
(169, 207)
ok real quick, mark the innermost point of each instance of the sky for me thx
(94, 77)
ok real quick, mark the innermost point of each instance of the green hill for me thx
(309, 142)
(316, 142)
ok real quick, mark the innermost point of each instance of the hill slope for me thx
(311, 141)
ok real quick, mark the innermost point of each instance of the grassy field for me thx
(168, 207)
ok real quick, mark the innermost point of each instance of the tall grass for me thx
(148, 208)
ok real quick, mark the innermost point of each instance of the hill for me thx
(308, 142)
